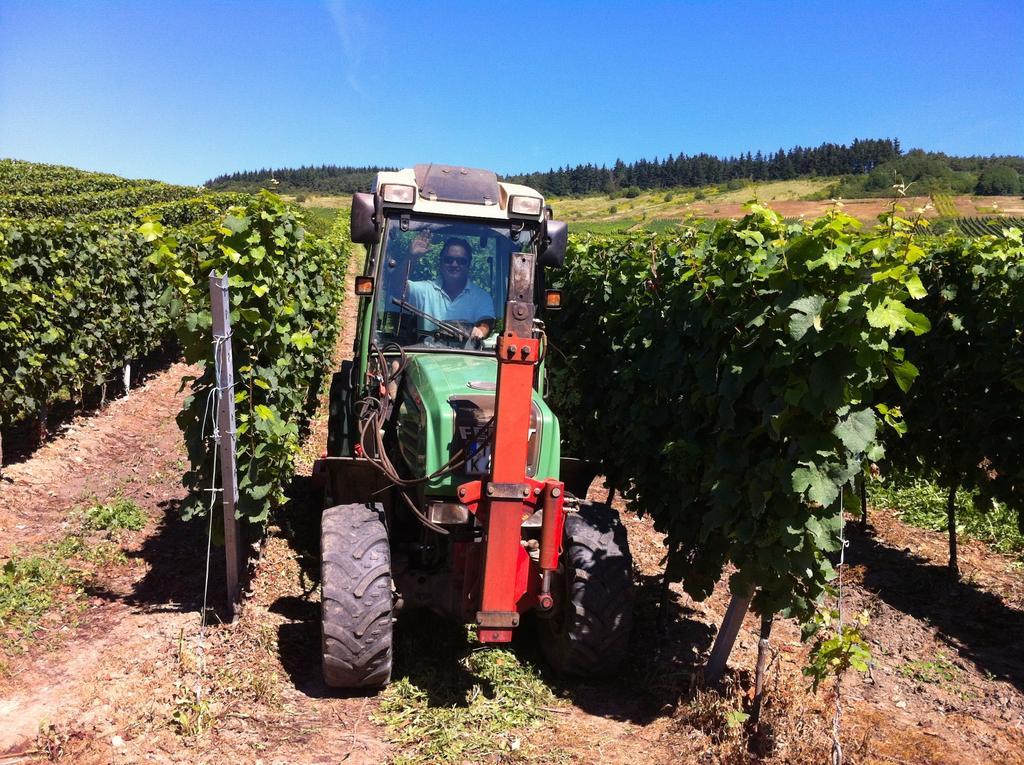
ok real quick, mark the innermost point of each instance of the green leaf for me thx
(892, 315)
(151, 229)
(751, 237)
(301, 340)
(893, 273)
(808, 314)
(857, 431)
(816, 484)
(915, 287)
(236, 224)
(905, 374)
(825, 532)
(259, 492)
(265, 413)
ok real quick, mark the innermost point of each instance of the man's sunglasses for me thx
(447, 259)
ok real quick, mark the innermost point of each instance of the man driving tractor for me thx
(453, 297)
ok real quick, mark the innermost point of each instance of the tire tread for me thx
(356, 597)
(597, 567)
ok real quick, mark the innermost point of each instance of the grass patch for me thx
(674, 204)
(341, 202)
(944, 205)
(621, 226)
(603, 226)
(104, 553)
(30, 588)
(937, 671)
(458, 701)
(921, 502)
(47, 587)
(319, 220)
(114, 515)
(660, 225)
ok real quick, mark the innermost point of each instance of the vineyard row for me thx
(89, 287)
(751, 370)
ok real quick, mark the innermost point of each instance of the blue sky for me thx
(182, 91)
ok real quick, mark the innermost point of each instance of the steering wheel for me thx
(443, 327)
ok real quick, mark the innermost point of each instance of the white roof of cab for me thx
(438, 186)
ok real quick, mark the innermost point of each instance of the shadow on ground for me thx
(176, 574)
(979, 625)
(298, 639)
(665, 654)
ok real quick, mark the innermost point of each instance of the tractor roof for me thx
(458, 191)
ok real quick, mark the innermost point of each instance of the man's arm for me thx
(405, 265)
(483, 304)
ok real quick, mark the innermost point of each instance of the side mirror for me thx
(363, 224)
(554, 236)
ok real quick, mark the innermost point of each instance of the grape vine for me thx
(285, 289)
(740, 367)
(965, 415)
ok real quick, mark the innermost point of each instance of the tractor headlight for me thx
(398, 193)
(525, 206)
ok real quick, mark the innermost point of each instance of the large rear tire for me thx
(355, 597)
(588, 633)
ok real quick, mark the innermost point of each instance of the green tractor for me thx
(444, 483)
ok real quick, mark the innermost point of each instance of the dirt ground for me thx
(133, 677)
(864, 210)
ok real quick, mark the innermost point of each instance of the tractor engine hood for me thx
(444, 400)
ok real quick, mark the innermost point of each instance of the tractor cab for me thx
(434, 298)
(445, 486)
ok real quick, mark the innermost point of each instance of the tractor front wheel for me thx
(588, 632)
(355, 597)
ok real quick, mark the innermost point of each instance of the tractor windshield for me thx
(443, 282)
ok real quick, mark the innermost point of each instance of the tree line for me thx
(325, 179)
(861, 156)
(869, 165)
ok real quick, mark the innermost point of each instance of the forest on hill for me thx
(865, 168)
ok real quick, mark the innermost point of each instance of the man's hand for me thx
(420, 244)
(481, 330)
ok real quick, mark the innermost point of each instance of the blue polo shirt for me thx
(470, 305)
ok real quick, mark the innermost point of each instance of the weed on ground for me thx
(921, 502)
(114, 515)
(936, 671)
(30, 589)
(42, 592)
(721, 720)
(455, 700)
(192, 715)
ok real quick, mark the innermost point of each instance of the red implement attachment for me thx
(511, 581)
